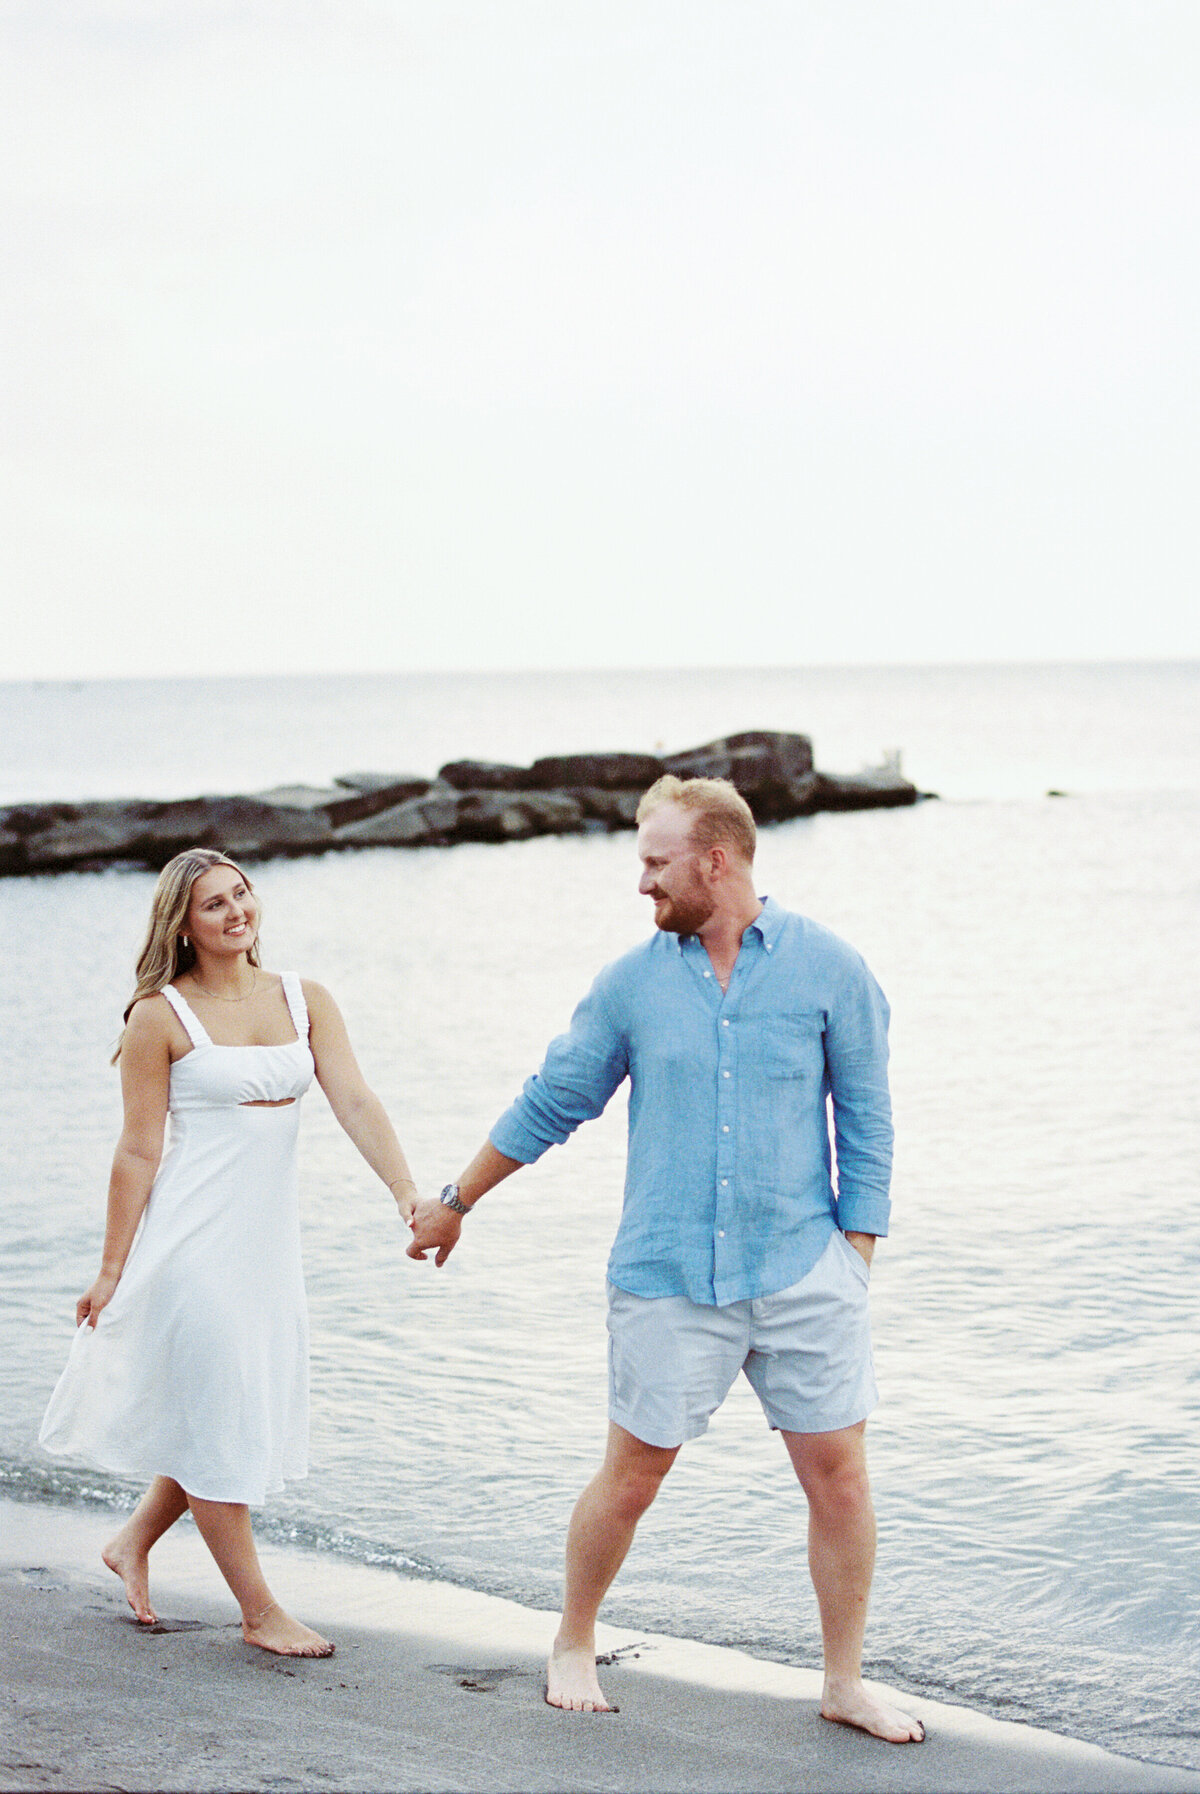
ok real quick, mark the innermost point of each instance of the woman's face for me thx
(222, 914)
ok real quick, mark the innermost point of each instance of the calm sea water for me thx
(1034, 1455)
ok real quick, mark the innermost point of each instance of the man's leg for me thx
(832, 1468)
(598, 1540)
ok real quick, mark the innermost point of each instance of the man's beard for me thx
(685, 914)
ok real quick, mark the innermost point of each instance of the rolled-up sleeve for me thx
(856, 1056)
(581, 1071)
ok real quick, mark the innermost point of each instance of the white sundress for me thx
(198, 1367)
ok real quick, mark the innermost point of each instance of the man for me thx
(735, 1024)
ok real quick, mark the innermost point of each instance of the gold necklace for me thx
(214, 998)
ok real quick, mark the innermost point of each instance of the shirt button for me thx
(725, 1129)
(720, 1233)
(724, 1024)
(708, 974)
(724, 1074)
(724, 1183)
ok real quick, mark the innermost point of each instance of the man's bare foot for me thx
(571, 1682)
(132, 1565)
(852, 1703)
(277, 1632)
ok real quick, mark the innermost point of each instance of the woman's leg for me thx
(128, 1551)
(225, 1528)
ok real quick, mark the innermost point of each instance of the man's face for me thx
(671, 874)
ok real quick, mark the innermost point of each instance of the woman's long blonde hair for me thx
(164, 955)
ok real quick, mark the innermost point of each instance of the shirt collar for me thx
(768, 922)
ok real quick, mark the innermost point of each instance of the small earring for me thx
(183, 941)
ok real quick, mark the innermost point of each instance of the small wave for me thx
(59, 1487)
(54, 1485)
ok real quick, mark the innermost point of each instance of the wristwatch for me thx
(450, 1197)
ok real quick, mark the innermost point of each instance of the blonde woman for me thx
(190, 1364)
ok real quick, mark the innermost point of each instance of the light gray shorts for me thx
(805, 1350)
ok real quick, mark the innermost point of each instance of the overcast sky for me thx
(401, 334)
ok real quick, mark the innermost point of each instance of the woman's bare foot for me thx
(852, 1703)
(132, 1565)
(571, 1682)
(276, 1631)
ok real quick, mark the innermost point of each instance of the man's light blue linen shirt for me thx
(728, 1188)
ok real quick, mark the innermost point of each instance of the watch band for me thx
(450, 1197)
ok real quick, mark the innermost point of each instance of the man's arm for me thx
(581, 1070)
(856, 1057)
(436, 1227)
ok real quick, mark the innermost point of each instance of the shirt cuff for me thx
(863, 1214)
(516, 1142)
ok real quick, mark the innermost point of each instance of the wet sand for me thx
(432, 1688)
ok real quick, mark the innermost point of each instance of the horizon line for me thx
(1007, 663)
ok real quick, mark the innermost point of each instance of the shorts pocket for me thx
(859, 1263)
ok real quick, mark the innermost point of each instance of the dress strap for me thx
(195, 1029)
(297, 1007)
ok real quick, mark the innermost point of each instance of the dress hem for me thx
(140, 1471)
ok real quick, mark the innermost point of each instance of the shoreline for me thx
(433, 1687)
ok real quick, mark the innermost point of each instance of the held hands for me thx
(435, 1228)
(92, 1301)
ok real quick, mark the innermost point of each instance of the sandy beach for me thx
(432, 1687)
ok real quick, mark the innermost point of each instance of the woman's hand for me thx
(93, 1301)
(404, 1191)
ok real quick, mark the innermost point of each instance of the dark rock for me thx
(791, 756)
(793, 797)
(772, 769)
(615, 809)
(332, 802)
(150, 831)
(59, 836)
(427, 821)
(249, 828)
(12, 851)
(407, 784)
(68, 843)
(608, 772)
(34, 819)
(341, 804)
(879, 789)
(516, 815)
(467, 816)
(486, 775)
(757, 756)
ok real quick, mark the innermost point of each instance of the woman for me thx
(190, 1364)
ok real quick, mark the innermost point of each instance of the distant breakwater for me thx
(469, 800)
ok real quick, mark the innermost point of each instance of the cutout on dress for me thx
(263, 1103)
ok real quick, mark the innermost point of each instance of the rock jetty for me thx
(469, 800)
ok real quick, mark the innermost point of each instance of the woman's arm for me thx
(357, 1108)
(145, 1064)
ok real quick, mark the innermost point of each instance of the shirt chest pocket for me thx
(792, 1046)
